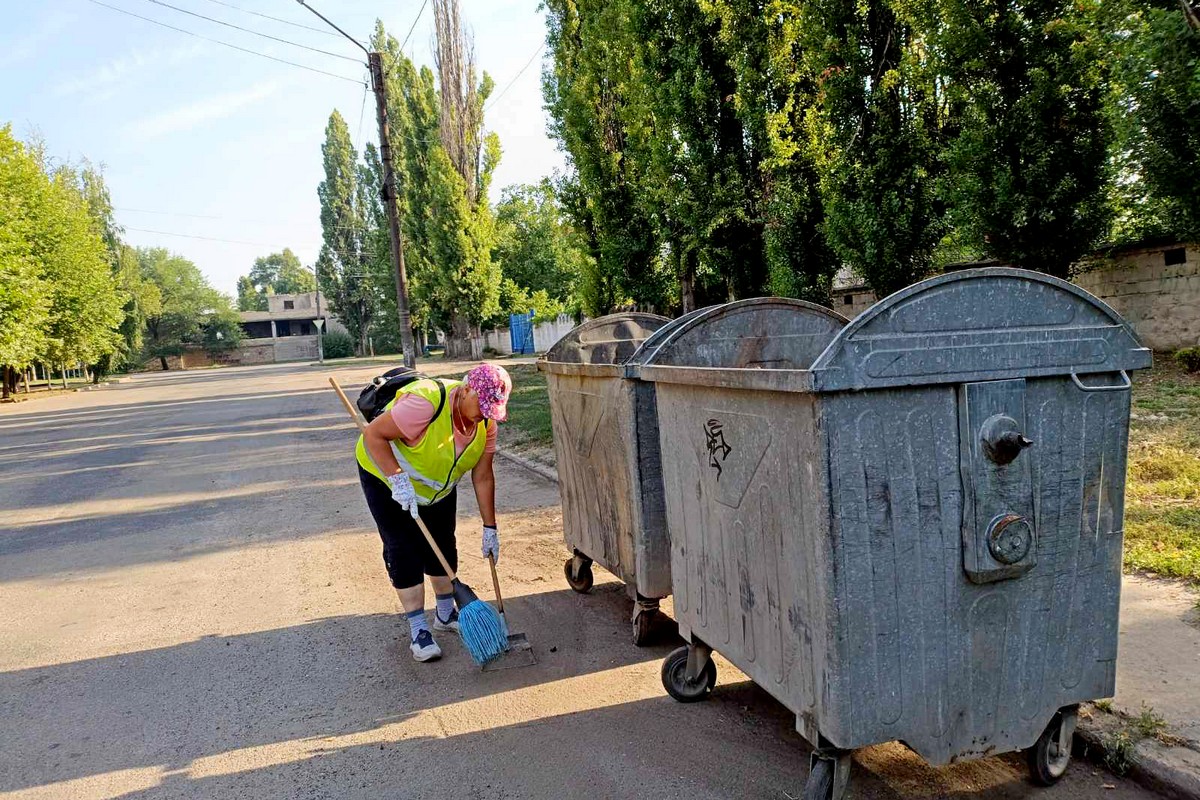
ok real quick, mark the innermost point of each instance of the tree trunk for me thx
(163, 360)
(25, 379)
(460, 343)
(687, 282)
(6, 369)
(64, 376)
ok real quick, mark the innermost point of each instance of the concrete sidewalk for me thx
(1158, 675)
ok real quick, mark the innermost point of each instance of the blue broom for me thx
(482, 629)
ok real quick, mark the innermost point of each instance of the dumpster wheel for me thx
(674, 677)
(643, 626)
(828, 775)
(579, 579)
(1050, 757)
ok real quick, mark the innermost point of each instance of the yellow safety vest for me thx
(431, 463)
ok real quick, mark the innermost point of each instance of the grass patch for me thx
(528, 425)
(1120, 743)
(1162, 514)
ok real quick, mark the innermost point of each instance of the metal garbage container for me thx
(914, 535)
(606, 447)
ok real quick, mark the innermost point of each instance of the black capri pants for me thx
(406, 554)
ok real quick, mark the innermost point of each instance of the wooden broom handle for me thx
(496, 584)
(362, 427)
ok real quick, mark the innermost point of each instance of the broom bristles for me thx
(483, 631)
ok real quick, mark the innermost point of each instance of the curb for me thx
(1170, 771)
(549, 473)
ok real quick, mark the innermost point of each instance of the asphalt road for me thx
(192, 605)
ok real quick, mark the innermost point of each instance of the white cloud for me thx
(103, 79)
(188, 116)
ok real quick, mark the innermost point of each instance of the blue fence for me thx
(520, 331)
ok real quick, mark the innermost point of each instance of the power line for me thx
(226, 44)
(275, 19)
(225, 241)
(216, 218)
(404, 44)
(496, 99)
(167, 213)
(420, 11)
(363, 108)
(254, 33)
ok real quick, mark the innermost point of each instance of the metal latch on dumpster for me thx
(999, 536)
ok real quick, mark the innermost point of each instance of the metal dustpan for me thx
(518, 654)
(520, 650)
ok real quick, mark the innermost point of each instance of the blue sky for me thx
(200, 139)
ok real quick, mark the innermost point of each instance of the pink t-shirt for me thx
(412, 415)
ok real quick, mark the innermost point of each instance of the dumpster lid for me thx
(979, 324)
(663, 334)
(760, 333)
(605, 340)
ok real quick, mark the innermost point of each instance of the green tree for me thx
(85, 307)
(342, 260)
(385, 330)
(587, 88)
(143, 299)
(124, 267)
(466, 288)
(54, 247)
(1156, 55)
(221, 329)
(875, 136)
(1028, 166)
(446, 220)
(597, 291)
(536, 246)
(183, 309)
(277, 273)
(699, 169)
(25, 292)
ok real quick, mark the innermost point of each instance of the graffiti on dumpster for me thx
(718, 449)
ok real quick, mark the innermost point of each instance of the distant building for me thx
(287, 330)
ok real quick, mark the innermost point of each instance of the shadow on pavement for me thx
(334, 676)
(118, 413)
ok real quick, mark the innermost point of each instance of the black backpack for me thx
(382, 390)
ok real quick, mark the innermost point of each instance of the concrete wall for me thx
(851, 301)
(499, 340)
(250, 351)
(1161, 301)
(545, 334)
(275, 302)
(295, 348)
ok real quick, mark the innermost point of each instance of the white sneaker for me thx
(448, 625)
(424, 648)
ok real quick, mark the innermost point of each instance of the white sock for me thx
(416, 623)
(445, 606)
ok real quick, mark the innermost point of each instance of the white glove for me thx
(491, 543)
(404, 493)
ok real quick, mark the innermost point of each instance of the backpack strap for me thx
(441, 399)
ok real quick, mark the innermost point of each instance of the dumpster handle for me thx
(1126, 383)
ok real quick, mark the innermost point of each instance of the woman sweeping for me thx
(410, 460)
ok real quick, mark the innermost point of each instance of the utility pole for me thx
(320, 322)
(379, 86)
(375, 61)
